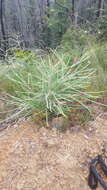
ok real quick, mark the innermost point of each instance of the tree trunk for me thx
(48, 29)
(102, 7)
(2, 22)
(3, 45)
(73, 12)
(99, 8)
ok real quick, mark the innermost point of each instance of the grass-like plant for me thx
(50, 85)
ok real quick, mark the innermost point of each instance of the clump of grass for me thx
(50, 85)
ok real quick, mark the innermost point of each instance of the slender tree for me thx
(73, 12)
(99, 8)
(48, 30)
(2, 24)
(48, 6)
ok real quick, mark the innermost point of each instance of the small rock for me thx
(60, 123)
(86, 137)
(75, 128)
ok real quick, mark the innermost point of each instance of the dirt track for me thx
(43, 159)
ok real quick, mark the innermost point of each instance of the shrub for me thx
(75, 41)
(75, 38)
(102, 27)
(98, 58)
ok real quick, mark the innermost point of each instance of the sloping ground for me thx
(44, 159)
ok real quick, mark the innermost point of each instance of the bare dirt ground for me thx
(44, 159)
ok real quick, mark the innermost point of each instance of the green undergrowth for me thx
(77, 42)
(56, 82)
(98, 58)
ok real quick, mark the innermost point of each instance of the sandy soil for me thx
(44, 159)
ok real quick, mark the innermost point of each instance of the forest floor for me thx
(43, 159)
